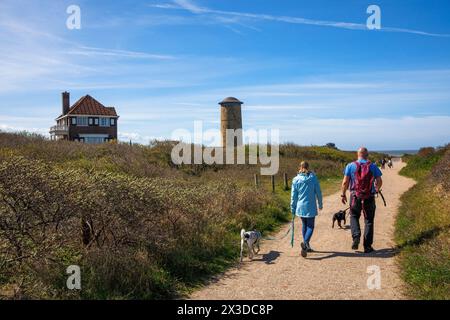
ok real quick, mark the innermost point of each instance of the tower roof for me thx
(230, 100)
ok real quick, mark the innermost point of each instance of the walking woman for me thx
(305, 196)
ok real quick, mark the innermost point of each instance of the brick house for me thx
(87, 120)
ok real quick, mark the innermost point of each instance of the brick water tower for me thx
(230, 118)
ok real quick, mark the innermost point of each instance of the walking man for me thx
(363, 179)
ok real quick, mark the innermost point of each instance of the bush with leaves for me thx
(51, 218)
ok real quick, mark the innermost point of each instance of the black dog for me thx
(339, 217)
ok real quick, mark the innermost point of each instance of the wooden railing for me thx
(56, 129)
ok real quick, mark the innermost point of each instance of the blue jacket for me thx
(305, 191)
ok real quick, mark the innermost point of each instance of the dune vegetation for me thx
(423, 225)
(138, 226)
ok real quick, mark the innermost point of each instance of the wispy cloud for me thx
(92, 51)
(37, 56)
(201, 10)
(189, 5)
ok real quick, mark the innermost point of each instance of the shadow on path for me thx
(382, 253)
(269, 258)
(425, 236)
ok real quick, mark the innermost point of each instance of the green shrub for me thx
(176, 225)
(421, 164)
(423, 226)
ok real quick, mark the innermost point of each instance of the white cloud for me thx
(136, 137)
(376, 133)
(280, 107)
(41, 131)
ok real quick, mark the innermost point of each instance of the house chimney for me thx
(65, 102)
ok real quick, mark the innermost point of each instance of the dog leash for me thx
(345, 211)
(362, 203)
(382, 197)
(291, 230)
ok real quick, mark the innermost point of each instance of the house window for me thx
(73, 121)
(104, 122)
(113, 122)
(94, 140)
(91, 121)
(82, 121)
(95, 121)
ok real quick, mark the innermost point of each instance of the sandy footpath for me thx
(334, 271)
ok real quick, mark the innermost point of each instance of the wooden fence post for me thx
(256, 180)
(286, 184)
(273, 183)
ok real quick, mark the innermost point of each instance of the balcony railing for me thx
(59, 130)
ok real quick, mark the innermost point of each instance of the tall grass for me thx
(423, 225)
(420, 165)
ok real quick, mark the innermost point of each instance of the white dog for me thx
(251, 238)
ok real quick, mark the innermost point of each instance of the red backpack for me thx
(363, 180)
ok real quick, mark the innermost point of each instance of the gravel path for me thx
(334, 271)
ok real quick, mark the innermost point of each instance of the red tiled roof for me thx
(89, 106)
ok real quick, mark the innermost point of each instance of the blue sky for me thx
(309, 68)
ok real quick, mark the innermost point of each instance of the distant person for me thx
(390, 164)
(383, 163)
(363, 179)
(305, 196)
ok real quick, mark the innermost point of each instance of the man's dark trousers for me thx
(369, 215)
